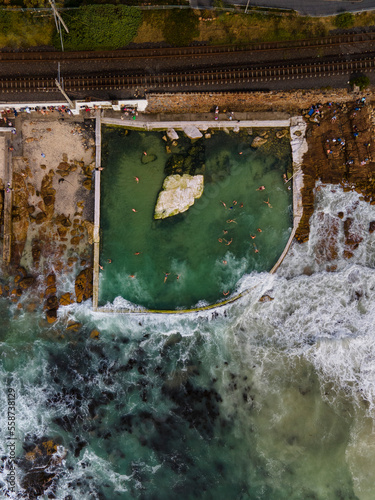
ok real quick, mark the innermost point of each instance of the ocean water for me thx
(256, 400)
(204, 252)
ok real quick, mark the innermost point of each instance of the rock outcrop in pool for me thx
(178, 194)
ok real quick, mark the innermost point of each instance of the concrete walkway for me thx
(6, 175)
(98, 152)
(202, 125)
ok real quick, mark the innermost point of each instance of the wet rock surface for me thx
(340, 151)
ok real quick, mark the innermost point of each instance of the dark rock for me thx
(83, 285)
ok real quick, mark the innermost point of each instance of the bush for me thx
(96, 27)
(344, 20)
(181, 27)
(360, 81)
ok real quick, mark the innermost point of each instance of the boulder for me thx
(51, 315)
(265, 298)
(83, 285)
(26, 283)
(94, 334)
(149, 158)
(192, 132)
(172, 134)
(258, 141)
(281, 133)
(51, 279)
(66, 299)
(74, 326)
(178, 194)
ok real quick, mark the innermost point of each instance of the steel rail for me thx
(181, 80)
(195, 51)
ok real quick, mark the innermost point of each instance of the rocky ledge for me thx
(178, 194)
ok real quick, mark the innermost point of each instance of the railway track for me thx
(186, 52)
(191, 79)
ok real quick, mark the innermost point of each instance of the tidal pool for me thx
(199, 256)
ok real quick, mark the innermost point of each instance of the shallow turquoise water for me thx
(204, 253)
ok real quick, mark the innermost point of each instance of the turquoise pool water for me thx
(199, 256)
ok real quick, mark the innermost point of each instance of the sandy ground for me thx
(48, 180)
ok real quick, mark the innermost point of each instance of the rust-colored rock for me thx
(40, 218)
(94, 334)
(87, 184)
(371, 226)
(49, 200)
(74, 326)
(83, 285)
(347, 254)
(51, 290)
(352, 234)
(52, 302)
(27, 282)
(66, 299)
(75, 240)
(265, 298)
(51, 315)
(51, 279)
(36, 252)
(327, 245)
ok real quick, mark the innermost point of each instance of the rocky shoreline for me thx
(52, 214)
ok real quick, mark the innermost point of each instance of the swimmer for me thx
(240, 153)
(224, 205)
(234, 202)
(131, 275)
(137, 253)
(136, 179)
(166, 276)
(255, 248)
(101, 267)
(226, 293)
(225, 262)
(231, 220)
(261, 188)
(229, 242)
(241, 205)
(268, 203)
(109, 261)
(145, 153)
(259, 230)
(178, 276)
(220, 240)
(252, 236)
(134, 210)
(225, 231)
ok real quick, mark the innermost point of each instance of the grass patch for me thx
(96, 27)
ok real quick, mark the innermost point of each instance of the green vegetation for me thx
(344, 20)
(360, 81)
(19, 29)
(180, 27)
(110, 26)
(100, 27)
